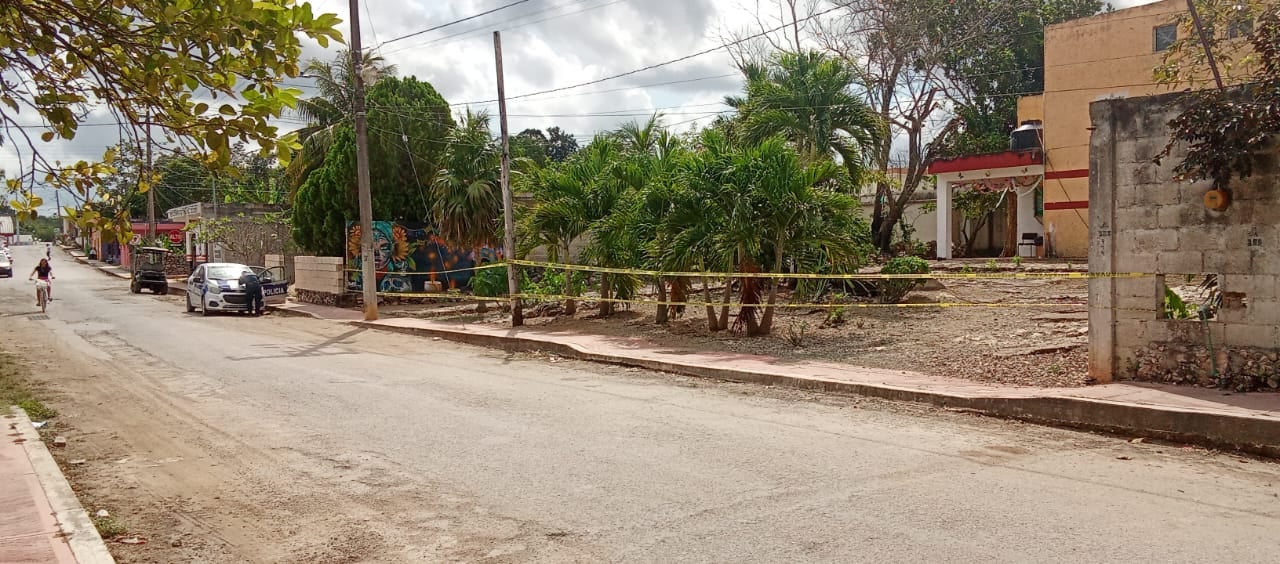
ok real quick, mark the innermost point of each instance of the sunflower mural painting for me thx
(409, 257)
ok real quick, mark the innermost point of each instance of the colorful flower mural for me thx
(409, 257)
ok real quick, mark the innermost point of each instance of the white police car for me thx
(216, 287)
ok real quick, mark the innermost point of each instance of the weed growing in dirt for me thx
(37, 410)
(15, 391)
(992, 265)
(1017, 261)
(796, 333)
(109, 527)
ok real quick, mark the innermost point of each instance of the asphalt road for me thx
(231, 439)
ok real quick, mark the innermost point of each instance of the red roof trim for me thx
(1007, 159)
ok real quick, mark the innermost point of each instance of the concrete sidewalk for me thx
(41, 522)
(1247, 422)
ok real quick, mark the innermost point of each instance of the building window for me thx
(1240, 28)
(1165, 35)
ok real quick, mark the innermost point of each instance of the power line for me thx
(669, 62)
(447, 24)
(486, 29)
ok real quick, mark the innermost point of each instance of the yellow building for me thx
(1105, 56)
(1111, 55)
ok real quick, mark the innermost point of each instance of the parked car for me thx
(215, 286)
(6, 266)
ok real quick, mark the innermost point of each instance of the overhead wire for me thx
(450, 23)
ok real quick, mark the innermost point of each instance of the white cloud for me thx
(546, 44)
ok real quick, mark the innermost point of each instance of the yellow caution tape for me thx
(859, 276)
(785, 275)
(557, 297)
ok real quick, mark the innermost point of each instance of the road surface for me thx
(231, 439)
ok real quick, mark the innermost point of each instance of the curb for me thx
(1246, 434)
(82, 537)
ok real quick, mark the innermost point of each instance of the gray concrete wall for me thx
(1143, 220)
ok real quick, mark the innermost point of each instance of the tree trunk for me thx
(1011, 234)
(481, 307)
(606, 306)
(662, 298)
(570, 305)
(724, 309)
(971, 237)
(766, 321)
(750, 298)
(712, 321)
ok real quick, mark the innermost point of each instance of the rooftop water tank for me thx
(1027, 137)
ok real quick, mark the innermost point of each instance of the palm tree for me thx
(750, 207)
(808, 99)
(467, 193)
(335, 92)
(568, 198)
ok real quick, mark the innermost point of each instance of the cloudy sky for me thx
(546, 44)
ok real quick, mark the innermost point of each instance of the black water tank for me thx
(1027, 137)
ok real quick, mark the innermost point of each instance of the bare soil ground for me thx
(1031, 332)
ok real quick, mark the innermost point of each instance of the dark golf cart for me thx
(147, 265)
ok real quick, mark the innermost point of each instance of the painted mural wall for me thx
(411, 258)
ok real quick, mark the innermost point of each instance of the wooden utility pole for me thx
(1204, 42)
(151, 190)
(508, 211)
(368, 277)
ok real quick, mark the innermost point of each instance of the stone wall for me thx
(1143, 221)
(319, 280)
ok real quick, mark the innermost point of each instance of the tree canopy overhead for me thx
(204, 72)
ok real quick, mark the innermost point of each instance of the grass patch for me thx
(16, 390)
(109, 527)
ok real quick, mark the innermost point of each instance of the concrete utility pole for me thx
(368, 278)
(151, 192)
(508, 212)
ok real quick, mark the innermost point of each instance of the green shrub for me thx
(490, 282)
(893, 290)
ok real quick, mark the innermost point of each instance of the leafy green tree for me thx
(531, 144)
(331, 106)
(560, 145)
(987, 77)
(1226, 133)
(409, 123)
(204, 72)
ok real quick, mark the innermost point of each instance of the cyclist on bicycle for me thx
(45, 272)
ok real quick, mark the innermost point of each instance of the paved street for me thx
(231, 439)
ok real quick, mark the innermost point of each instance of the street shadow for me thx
(316, 350)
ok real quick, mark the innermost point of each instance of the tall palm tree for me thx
(808, 98)
(568, 198)
(467, 194)
(331, 106)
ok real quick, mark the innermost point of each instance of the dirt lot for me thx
(1028, 332)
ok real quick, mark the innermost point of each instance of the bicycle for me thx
(42, 294)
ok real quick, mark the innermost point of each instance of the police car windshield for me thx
(227, 272)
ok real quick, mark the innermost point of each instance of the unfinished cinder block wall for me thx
(1142, 220)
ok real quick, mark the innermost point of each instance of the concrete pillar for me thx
(1102, 257)
(1027, 222)
(944, 219)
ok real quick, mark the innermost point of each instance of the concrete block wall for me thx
(319, 274)
(1143, 220)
